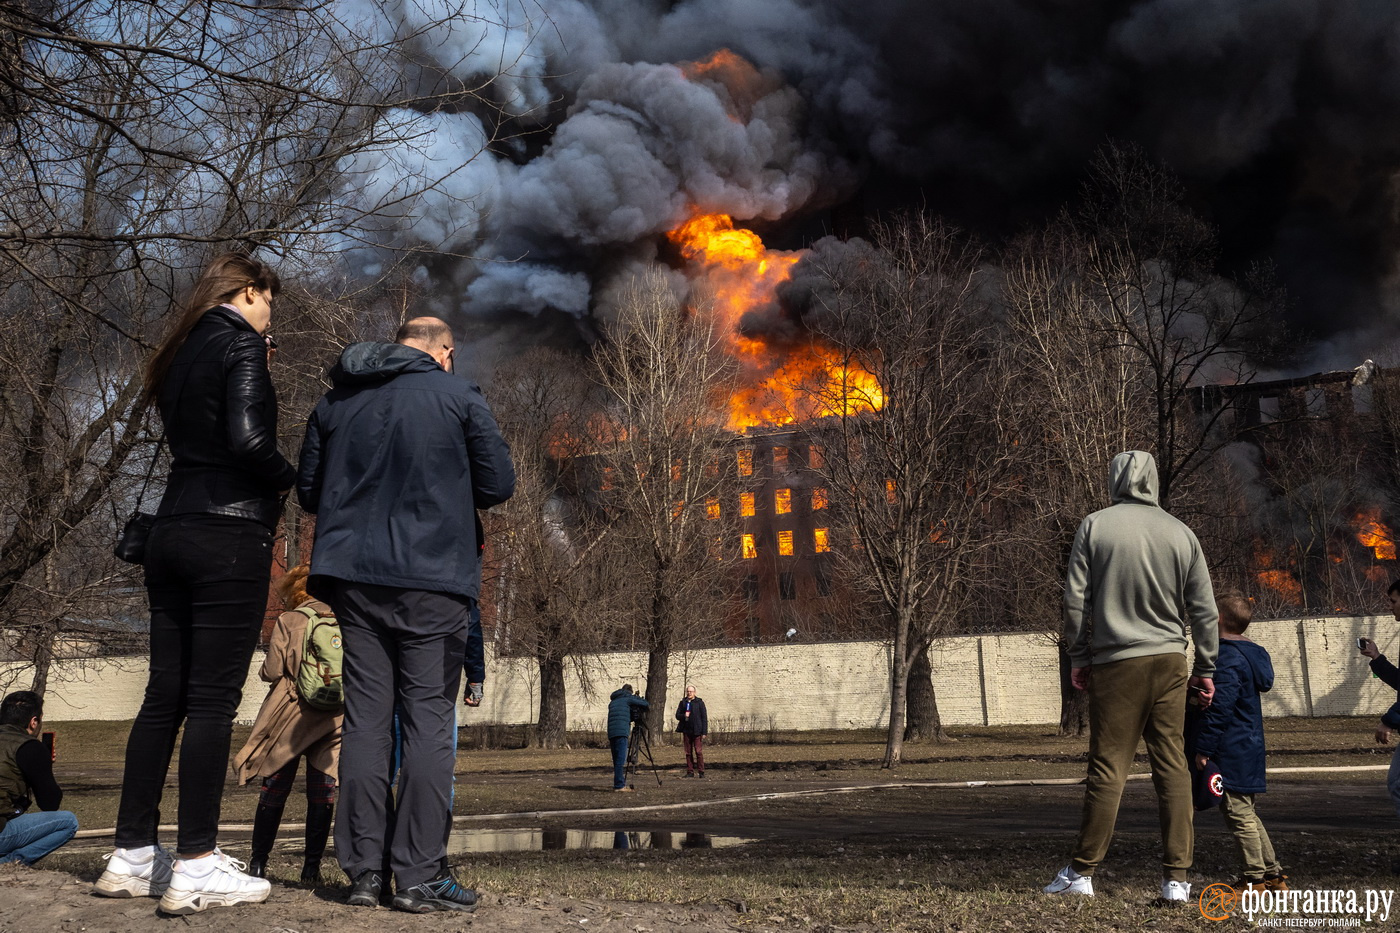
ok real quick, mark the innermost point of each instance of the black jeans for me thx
(206, 578)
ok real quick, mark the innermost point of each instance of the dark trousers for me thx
(277, 786)
(694, 753)
(206, 578)
(402, 647)
(619, 753)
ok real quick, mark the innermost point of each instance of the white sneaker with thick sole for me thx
(1069, 881)
(143, 872)
(213, 881)
(1177, 892)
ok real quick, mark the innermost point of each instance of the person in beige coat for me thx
(286, 729)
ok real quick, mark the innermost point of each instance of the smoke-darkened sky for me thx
(1281, 116)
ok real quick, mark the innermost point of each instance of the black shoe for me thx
(440, 893)
(701, 774)
(366, 889)
(257, 868)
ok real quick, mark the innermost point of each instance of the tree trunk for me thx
(1074, 704)
(554, 709)
(658, 663)
(923, 724)
(899, 688)
(43, 660)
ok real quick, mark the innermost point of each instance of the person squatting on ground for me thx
(208, 564)
(1136, 578)
(621, 706)
(26, 778)
(1390, 721)
(397, 457)
(287, 728)
(692, 723)
(1230, 733)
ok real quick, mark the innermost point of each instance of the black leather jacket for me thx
(220, 416)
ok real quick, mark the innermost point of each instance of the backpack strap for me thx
(312, 613)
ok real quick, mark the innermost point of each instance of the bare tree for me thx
(558, 594)
(665, 382)
(140, 138)
(916, 460)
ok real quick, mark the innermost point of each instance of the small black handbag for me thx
(131, 543)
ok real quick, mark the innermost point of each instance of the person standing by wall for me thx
(623, 707)
(1388, 674)
(693, 724)
(1136, 579)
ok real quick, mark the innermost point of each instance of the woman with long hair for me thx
(287, 728)
(208, 564)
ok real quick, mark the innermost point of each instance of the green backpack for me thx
(318, 680)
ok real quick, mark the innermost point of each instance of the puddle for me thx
(535, 840)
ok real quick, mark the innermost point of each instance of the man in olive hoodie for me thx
(1136, 579)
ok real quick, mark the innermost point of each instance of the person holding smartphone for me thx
(26, 778)
(1390, 721)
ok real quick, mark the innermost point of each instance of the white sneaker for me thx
(213, 881)
(1069, 881)
(1176, 891)
(143, 872)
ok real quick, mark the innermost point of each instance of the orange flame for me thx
(1281, 581)
(784, 383)
(1374, 534)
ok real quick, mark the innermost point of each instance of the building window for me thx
(746, 463)
(677, 510)
(750, 551)
(889, 491)
(816, 456)
(751, 588)
(785, 543)
(607, 482)
(782, 501)
(818, 498)
(821, 579)
(820, 542)
(712, 507)
(780, 459)
(746, 504)
(786, 588)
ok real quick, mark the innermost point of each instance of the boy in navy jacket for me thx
(1230, 732)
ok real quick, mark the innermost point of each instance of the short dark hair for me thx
(1394, 588)
(626, 688)
(20, 707)
(429, 330)
(1236, 613)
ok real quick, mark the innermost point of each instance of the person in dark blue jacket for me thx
(1230, 733)
(398, 456)
(1390, 722)
(620, 714)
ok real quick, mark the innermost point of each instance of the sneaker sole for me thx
(417, 906)
(127, 886)
(193, 902)
(362, 900)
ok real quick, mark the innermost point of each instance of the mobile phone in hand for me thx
(1361, 644)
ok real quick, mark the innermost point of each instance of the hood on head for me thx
(360, 363)
(1261, 669)
(1133, 478)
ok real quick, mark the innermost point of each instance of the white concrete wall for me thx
(982, 680)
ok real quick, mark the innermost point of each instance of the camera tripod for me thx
(638, 744)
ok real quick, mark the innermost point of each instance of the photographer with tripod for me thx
(623, 707)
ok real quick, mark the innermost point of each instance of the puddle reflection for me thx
(535, 840)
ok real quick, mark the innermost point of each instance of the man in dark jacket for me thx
(26, 776)
(623, 706)
(1230, 733)
(692, 723)
(397, 458)
(1390, 721)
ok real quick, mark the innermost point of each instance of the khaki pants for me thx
(1256, 852)
(1140, 698)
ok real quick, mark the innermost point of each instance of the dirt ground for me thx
(931, 820)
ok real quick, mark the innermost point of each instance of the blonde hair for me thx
(292, 587)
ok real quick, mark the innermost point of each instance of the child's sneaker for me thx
(1069, 881)
(212, 881)
(143, 872)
